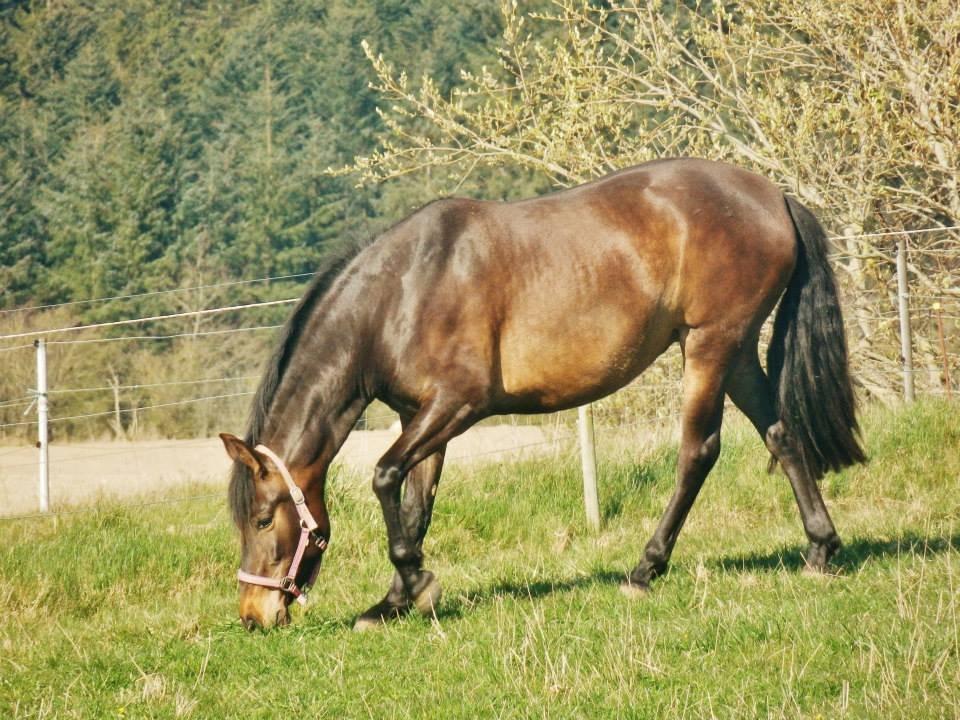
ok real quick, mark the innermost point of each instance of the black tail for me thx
(807, 357)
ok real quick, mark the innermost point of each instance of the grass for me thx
(121, 613)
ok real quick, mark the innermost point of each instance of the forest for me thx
(149, 145)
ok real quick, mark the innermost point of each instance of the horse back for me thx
(553, 301)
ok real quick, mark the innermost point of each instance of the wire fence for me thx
(127, 406)
(155, 293)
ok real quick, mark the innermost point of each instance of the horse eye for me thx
(264, 523)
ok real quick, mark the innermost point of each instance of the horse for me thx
(468, 309)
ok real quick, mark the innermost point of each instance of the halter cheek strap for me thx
(308, 533)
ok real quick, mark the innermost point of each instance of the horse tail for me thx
(807, 357)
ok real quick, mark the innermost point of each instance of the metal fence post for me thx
(588, 458)
(42, 435)
(906, 343)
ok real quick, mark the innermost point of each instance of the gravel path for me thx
(86, 472)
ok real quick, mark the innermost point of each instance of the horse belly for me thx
(561, 356)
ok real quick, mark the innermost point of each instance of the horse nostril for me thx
(283, 618)
(249, 623)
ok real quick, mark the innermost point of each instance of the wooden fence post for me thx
(588, 459)
(42, 434)
(943, 350)
(906, 342)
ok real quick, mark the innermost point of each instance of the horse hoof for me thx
(380, 614)
(427, 599)
(365, 624)
(634, 591)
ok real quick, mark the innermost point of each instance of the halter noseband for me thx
(308, 533)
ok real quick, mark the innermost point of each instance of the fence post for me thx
(943, 350)
(906, 342)
(42, 436)
(588, 458)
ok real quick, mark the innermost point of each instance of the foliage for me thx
(147, 145)
(851, 108)
(153, 145)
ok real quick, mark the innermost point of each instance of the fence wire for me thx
(154, 293)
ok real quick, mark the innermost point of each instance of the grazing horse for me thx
(468, 309)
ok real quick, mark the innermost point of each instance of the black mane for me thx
(240, 492)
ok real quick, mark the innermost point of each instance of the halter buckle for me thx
(287, 584)
(297, 495)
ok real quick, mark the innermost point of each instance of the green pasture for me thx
(124, 613)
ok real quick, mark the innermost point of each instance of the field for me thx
(132, 613)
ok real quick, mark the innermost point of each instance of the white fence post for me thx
(42, 436)
(906, 341)
(588, 458)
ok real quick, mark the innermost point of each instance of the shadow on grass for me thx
(851, 556)
(456, 607)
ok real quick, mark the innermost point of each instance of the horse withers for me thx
(468, 309)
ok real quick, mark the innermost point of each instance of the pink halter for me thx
(308, 527)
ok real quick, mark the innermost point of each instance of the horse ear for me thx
(240, 451)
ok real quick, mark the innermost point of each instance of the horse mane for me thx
(241, 490)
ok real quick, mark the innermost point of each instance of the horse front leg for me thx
(416, 509)
(426, 434)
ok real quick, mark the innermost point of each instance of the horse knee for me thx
(777, 439)
(386, 480)
(709, 450)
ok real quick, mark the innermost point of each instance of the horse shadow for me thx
(852, 555)
(460, 605)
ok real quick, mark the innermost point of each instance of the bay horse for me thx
(468, 309)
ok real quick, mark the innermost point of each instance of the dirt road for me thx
(85, 472)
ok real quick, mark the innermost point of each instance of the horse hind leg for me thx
(750, 391)
(702, 415)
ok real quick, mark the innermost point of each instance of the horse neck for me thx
(319, 399)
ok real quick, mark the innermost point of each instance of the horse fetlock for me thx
(647, 570)
(405, 555)
(818, 555)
